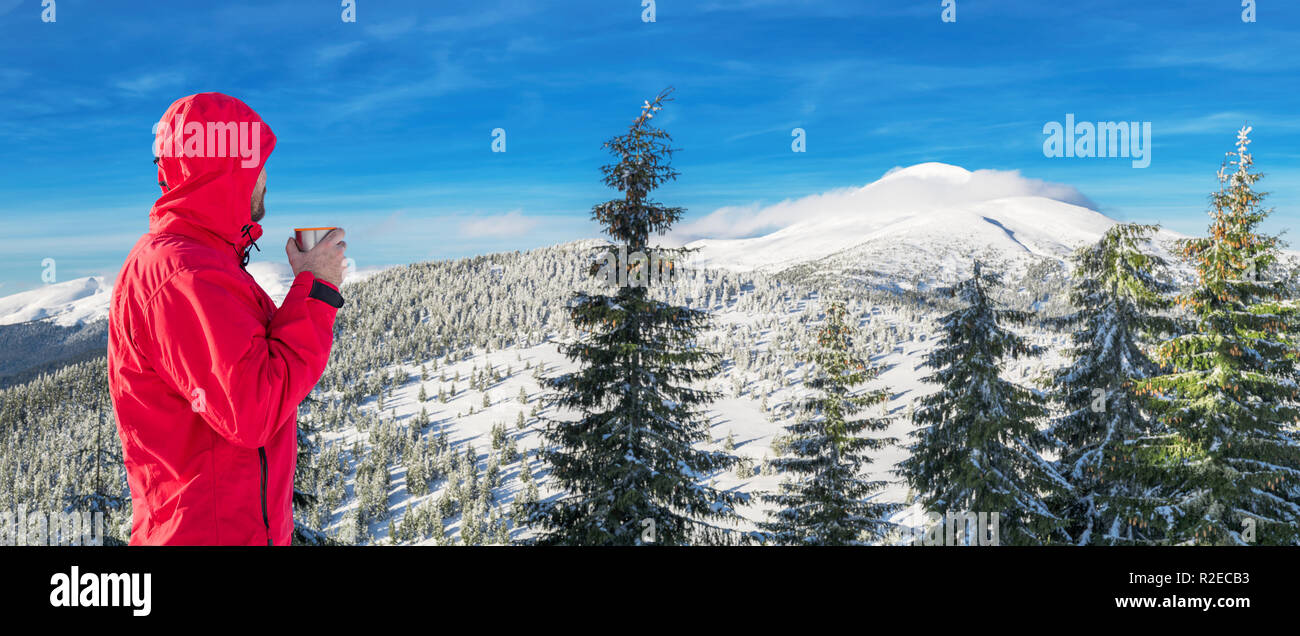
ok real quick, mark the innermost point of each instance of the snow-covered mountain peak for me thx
(924, 219)
(67, 303)
(932, 170)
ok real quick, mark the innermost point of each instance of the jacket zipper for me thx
(266, 521)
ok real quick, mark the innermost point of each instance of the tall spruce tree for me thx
(629, 467)
(828, 502)
(978, 443)
(1121, 293)
(1230, 393)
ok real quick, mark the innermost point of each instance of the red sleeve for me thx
(212, 343)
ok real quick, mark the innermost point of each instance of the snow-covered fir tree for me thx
(978, 442)
(1122, 294)
(629, 467)
(1230, 393)
(826, 500)
(305, 485)
(96, 492)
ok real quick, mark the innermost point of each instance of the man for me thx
(205, 373)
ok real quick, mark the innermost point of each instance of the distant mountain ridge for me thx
(65, 304)
(86, 300)
(46, 328)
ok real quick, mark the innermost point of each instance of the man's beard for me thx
(259, 207)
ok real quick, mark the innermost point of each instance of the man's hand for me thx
(324, 261)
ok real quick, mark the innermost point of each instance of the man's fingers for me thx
(335, 236)
(291, 247)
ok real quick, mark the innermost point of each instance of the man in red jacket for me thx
(205, 373)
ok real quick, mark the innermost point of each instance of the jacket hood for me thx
(210, 149)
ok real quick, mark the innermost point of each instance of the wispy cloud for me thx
(335, 52)
(1221, 124)
(782, 128)
(448, 76)
(479, 17)
(512, 224)
(482, 17)
(150, 82)
(11, 78)
(391, 28)
(1244, 50)
(832, 8)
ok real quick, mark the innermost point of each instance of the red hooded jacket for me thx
(205, 373)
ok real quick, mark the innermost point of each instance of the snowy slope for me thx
(752, 417)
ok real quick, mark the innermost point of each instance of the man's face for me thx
(259, 196)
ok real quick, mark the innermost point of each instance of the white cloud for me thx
(920, 187)
(335, 52)
(448, 77)
(509, 225)
(391, 29)
(10, 78)
(150, 82)
(783, 129)
(1223, 125)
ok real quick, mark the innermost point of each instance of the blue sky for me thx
(385, 124)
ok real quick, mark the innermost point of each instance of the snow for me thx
(85, 300)
(1012, 226)
(67, 304)
(754, 430)
(930, 170)
(918, 217)
(276, 278)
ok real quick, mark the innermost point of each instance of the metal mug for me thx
(308, 237)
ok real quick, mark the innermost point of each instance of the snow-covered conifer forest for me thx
(436, 420)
